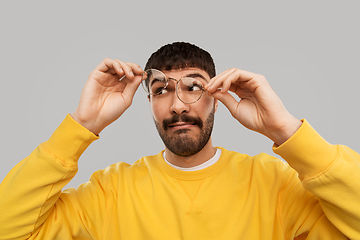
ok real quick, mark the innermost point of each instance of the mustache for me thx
(182, 118)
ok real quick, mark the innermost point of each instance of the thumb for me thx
(132, 86)
(227, 99)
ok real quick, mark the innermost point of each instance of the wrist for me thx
(86, 123)
(286, 132)
(68, 142)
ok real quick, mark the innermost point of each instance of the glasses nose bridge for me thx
(176, 85)
(174, 79)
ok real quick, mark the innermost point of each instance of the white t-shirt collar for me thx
(204, 165)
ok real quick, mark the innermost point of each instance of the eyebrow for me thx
(196, 75)
(155, 80)
(190, 75)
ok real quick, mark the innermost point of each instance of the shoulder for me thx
(124, 170)
(261, 165)
(261, 159)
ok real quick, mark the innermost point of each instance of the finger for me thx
(108, 65)
(244, 75)
(119, 67)
(135, 68)
(131, 69)
(126, 68)
(227, 99)
(223, 81)
(216, 77)
(233, 75)
(132, 86)
(218, 81)
(227, 83)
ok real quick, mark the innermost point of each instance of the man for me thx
(191, 190)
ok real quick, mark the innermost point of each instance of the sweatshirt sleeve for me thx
(331, 173)
(31, 189)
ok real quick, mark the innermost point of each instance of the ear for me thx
(216, 103)
(148, 96)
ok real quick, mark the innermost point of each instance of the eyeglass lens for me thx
(188, 90)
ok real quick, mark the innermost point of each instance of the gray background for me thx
(308, 51)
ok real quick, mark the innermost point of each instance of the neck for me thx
(191, 161)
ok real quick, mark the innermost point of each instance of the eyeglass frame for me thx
(176, 86)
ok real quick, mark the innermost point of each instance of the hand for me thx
(259, 108)
(108, 92)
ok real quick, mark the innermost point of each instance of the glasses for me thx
(188, 89)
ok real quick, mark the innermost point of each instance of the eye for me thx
(161, 90)
(157, 86)
(191, 85)
(194, 87)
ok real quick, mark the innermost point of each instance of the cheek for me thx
(158, 110)
(207, 104)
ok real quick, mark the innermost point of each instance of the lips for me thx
(181, 124)
(182, 121)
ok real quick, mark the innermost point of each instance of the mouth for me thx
(181, 125)
(182, 122)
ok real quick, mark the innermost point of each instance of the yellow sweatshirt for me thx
(239, 197)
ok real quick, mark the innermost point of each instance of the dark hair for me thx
(180, 55)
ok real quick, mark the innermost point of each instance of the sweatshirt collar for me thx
(193, 175)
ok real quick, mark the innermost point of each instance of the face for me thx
(184, 128)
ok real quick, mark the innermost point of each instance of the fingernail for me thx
(131, 73)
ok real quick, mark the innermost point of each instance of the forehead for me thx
(184, 72)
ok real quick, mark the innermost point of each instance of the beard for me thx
(181, 143)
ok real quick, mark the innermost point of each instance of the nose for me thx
(178, 106)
